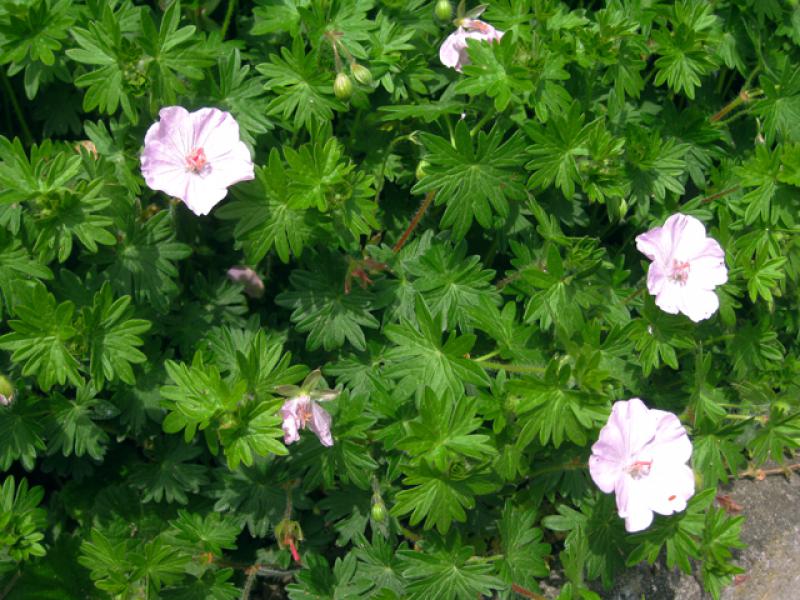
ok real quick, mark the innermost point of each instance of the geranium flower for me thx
(641, 456)
(195, 156)
(686, 267)
(453, 51)
(302, 410)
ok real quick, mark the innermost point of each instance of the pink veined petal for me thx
(669, 486)
(670, 297)
(174, 131)
(200, 197)
(452, 50)
(290, 412)
(162, 172)
(688, 236)
(605, 472)
(231, 167)
(636, 423)
(707, 272)
(699, 304)
(216, 131)
(321, 424)
(655, 244)
(671, 442)
(656, 278)
(632, 505)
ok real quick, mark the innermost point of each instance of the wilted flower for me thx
(641, 456)
(686, 267)
(195, 156)
(302, 410)
(453, 51)
(253, 286)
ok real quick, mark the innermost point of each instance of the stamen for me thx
(671, 498)
(680, 271)
(196, 160)
(640, 468)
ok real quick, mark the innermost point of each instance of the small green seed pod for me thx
(343, 86)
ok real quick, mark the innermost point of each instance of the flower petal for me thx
(321, 424)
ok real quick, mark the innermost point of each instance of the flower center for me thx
(680, 271)
(196, 161)
(305, 414)
(639, 469)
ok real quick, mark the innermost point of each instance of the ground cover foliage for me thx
(453, 250)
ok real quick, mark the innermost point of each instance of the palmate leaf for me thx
(495, 71)
(47, 173)
(170, 475)
(440, 498)
(557, 149)
(255, 431)
(21, 520)
(144, 262)
(445, 431)
(780, 106)
(42, 337)
(16, 263)
(210, 533)
(322, 309)
(524, 551)
(21, 432)
(113, 338)
(71, 426)
(420, 357)
(304, 92)
(472, 179)
(447, 570)
(453, 286)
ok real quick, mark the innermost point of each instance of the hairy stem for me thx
(496, 366)
(414, 222)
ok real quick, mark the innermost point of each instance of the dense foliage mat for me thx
(446, 240)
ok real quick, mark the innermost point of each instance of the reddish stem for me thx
(414, 222)
(527, 593)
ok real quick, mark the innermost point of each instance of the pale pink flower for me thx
(253, 286)
(686, 267)
(453, 51)
(641, 456)
(195, 156)
(302, 410)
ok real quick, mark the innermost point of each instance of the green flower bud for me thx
(361, 74)
(6, 391)
(443, 10)
(379, 512)
(420, 172)
(343, 86)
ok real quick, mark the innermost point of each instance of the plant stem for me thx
(487, 356)
(743, 97)
(414, 222)
(27, 138)
(496, 366)
(760, 474)
(483, 120)
(719, 195)
(526, 593)
(228, 16)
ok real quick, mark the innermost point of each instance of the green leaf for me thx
(524, 551)
(210, 533)
(169, 475)
(447, 570)
(71, 426)
(494, 71)
(144, 264)
(440, 498)
(42, 337)
(444, 431)
(322, 309)
(21, 520)
(255, 432)
(420, 356)
(113, 338)
(303, 91)
(16, 263)
(471, 180)
(21, 432)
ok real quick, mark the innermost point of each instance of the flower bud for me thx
(361, 74)
(379, 512)
(6, 391)
(343, 86)
(443, 10)
(420, 171)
